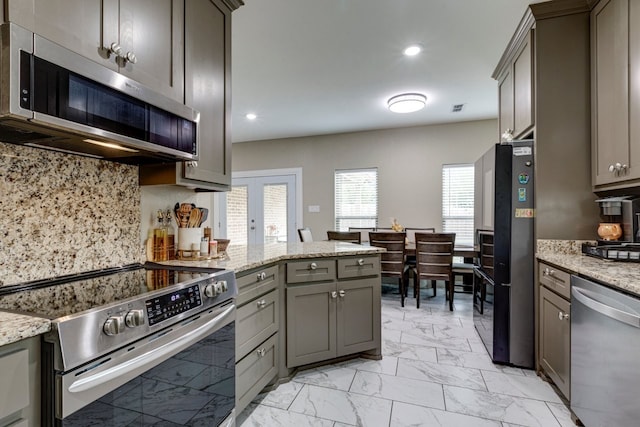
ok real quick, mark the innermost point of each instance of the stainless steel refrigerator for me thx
(506, 324)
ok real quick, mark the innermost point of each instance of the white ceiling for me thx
(310, 67)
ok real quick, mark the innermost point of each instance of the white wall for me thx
(409, 162)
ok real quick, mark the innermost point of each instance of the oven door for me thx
(183, 375)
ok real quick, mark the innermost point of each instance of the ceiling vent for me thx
(457, 108)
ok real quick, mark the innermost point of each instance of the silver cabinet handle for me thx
(261, 303)
(313, 266)
(192, 164)
(261, 276)
(589, 301)
(115, 48)
(261, 352)
(341, 293)
(131, 57)
(563, 316)
(361, 262)
(333, 294)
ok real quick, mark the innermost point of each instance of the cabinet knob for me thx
(333, 294)
(563, 316)
(261, 352)
(313, 266)
(261, 276)
(360, 262)
(261, 303)
(192, 164)
(341, 293)
(131, 57)
(115, 48)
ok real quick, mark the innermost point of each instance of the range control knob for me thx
(134, 318)
(214, 289)
(114, 325)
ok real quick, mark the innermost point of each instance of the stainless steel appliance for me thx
(56, 99)
(506, 322)
(624, 210)
(605, 355)
(136, 346)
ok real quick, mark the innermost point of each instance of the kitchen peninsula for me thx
(298, 304)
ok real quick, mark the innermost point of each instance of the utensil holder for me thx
(187, 237)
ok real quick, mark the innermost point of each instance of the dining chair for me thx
(364, 232)
(411, 232)
(305, 234)
(346, 236)
(434, 258)
(483, 272)
(392, 262)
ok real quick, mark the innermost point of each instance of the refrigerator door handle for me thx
(506, 285)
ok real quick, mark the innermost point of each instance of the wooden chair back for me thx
(305, 234)
(392, 262)
(434, 256)
(346, 236)
(485, 247)
(364, 232)
(411, 232)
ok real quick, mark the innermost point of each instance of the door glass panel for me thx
(275, 213)
(237, 214)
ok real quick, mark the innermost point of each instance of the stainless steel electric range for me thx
(139, 345)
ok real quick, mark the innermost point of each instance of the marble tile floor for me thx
(435, 371)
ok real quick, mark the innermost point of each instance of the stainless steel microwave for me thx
(53, 98)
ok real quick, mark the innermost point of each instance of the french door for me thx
(262, 209)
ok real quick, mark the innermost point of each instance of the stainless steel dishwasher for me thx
(605, 355)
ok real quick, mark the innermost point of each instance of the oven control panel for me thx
(171, 304)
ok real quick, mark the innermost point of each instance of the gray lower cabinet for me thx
(20, 383)
(555, 327)
(337, 317)
(257, 323)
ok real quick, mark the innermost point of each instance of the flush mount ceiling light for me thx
(407, 102)
(251, 116)
(412, 50)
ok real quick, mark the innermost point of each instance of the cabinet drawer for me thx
(256, 321)
(252, 285)
(311, 271)
(255, 371)
(358, 267)
(557, 280)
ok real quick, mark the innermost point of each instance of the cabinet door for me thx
(358, 315)
(523, 90)
(610, 94)
(74, 24)
(505, 96)
(555, 339)
(208, 88)
(153, 31)
(633, 171)
(311, 323)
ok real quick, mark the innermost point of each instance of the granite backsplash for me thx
(63, 214)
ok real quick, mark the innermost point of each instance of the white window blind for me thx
(356, 198)
(457, 202)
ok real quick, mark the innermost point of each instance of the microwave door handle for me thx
(141, 363)
(604, 309)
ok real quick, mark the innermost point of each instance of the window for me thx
(356, 198)
(457, 202)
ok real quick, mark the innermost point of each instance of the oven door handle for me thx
(604, 309)
(144, 361)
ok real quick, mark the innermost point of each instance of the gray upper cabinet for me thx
(142, 39)
(615, 28)
(515, 91)
(208, 90)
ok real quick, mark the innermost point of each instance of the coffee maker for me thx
(623, 210)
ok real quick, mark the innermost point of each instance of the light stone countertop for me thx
(246, 257)
(15, 327)
(567, 254)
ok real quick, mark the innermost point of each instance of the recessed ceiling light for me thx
(251, 116)
(412, 50)
(407, 102)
